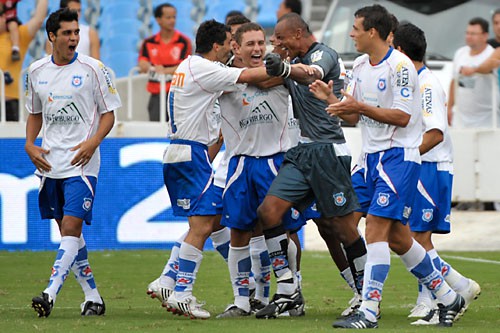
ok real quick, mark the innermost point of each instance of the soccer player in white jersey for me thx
(386, 102)
(255, 129)
(197, 83)
(432, 205)
(71, 98)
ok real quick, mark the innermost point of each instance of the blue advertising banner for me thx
(131, 208)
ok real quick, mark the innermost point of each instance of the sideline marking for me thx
(487, 261)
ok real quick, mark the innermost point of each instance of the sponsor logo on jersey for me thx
(383, 199)
(261, 114)
(178, 79)
(316, 56)
(107, 77)
(339, 199)
(402, 74)
(69, 114)
(87, 204)
(59, 96)
(426, 101)
(76, 81)
(381, 84)
(43, 82)
(427, 214)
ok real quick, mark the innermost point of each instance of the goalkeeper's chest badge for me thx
(316, 56)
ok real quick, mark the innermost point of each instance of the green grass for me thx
(122, 278)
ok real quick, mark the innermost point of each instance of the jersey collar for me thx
(69, 63)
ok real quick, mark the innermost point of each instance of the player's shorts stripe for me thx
(272, 167)
(89, 185)
(236, 174)
(384, 175)
(424, 193)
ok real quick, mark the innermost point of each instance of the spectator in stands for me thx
(289, 6)
(9, 8)
(470, 98)
(495, 20)
(231, 14)
(12, 69)
(89, 38)
(161, 54)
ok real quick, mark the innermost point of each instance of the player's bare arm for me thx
(35, 153)
(486, 67)
(38, 18)
(87, 148)
(430, 140)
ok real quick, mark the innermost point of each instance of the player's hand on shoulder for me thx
(37, 157)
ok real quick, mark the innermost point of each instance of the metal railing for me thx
(2, 97)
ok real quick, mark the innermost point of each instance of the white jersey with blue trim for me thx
(71, 99)
(435, 115)
(196, 85)
(255, 122)
(392, 84)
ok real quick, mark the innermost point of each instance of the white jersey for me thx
(255, 121)
(221, 170)
(435, 115)
(393, 84)
(84, 43)
(196, 85)
(71, 99)
(293, 125)
(473, 94)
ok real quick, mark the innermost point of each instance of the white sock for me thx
(220, 240)
(169, 274)
(377, 266)
(261, 267)
(189, 263)
(457, 281)
(239, 263)
(83, 273)
(349, 279)
(68, 250)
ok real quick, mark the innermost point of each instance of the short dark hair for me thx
(61, 15)
(237, 19)
(294, 5)
(394, 23)
(485, 26)
(159, 9)
(412, 41)
(295, 21)
(377, 17)
(64, 3)
(208, 33)
(232, 13)
(495, 13)
(250, 26)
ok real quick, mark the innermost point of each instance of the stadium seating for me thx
(120, 42)
(267, 12)
(217, 9)
(121, 62)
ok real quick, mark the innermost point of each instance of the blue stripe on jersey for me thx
(171, 111)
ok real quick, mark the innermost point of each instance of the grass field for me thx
(122, 277)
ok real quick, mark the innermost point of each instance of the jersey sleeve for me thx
(433, 106)
(404, 83)
(216, 77)
(105, 94)
(33, 103)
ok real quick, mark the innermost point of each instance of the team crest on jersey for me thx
(382, 84)
(427, 214)
(383, 199)
(317, 56)
(295, 213)
(76, 81)
(339, 199)
(87, 204)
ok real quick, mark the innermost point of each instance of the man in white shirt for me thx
(386, 101)
(72, 99)
(471, 97)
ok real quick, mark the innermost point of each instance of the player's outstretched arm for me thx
(35, 153)
(37, 20)
(87, 148)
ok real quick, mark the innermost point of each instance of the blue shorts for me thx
(188, 176)
(72, 196)
(293, 221)
(311, 212)
(218, 191)
(390, 183)
(432, 205)
(248, 180)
